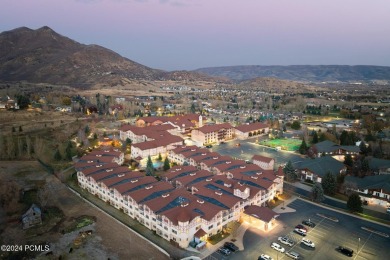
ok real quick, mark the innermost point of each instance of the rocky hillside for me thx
(44, 56)
(313, 73)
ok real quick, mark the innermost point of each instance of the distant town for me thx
(224, 172)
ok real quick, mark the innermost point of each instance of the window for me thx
(174, 231)
(210, 227)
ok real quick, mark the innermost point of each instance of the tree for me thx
(303, 148)
(365, 166)
(149, 167)
(315, 137)
(95, 136)
(20, 129)
(57, 155)
(296, 125)
(23, 101)
(348, 160)
(365, 148)
(166, 164)
(68, 151)
(354, 203)
(87, 130)
(317, 192)
(329, 184)
(159, 157)
(289, 171)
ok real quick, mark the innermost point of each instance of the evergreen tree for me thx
(87, 130)
(296, 125)
(57, 155)
(317, 192)
(348, 160)
(315, 137)
(193, 110)
(20, 129)
(329, 184)
(289, 171)
(149, 167)
(94, 136)
(166, 164)
(365, 166)
(68, 151)
(303, 148)
(159, 157)
(354, 203)
(364, 148)
(128, 141)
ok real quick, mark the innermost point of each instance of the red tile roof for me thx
(245, 128)
(214, 128)
(262, 213)
(262, 158)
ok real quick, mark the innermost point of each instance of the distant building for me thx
(32, 217)
(209, 134)
(331, 148)
(247, 130)
(373, 189)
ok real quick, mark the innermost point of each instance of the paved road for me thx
(334, 203)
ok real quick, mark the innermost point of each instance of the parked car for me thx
(345, 250)
(209, 146)
(264, 257)
(286, 241)
(277, 247)
(231, 246)
(308, 223)
(300, 232)
(224, 251)
(293, 255)
(301, 227)
(308, 242)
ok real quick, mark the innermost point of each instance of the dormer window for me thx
(218, 193)
(149, 187)
(121, 175)
(134, 181)
(109, 170)
(165, 195)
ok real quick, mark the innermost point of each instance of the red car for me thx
(301, 227)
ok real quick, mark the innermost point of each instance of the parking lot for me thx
(248, 148)
(331, 231)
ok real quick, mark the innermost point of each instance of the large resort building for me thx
(192, 201)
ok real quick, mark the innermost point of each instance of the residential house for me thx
(330, 148)
(373, 189)
(315, 169)
(32, 217)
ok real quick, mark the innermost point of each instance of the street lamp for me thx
(358, 245)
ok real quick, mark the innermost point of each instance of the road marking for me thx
(361, 247)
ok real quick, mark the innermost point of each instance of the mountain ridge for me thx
(45, 56)
(305, 73)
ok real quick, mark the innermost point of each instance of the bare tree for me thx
(348, 188)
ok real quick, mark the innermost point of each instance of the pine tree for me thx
(303, 148)
(329, 184)
(68, 151)
(315, 137)
(149, 167)
(348, 160)
(289, 171)
(354, 203)
(159, 157)
(166, 164)
(87, 130)
(57, 155)
(317, 192)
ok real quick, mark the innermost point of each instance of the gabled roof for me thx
(251, 127)
(320, 166)
(263, 213)
(375, 182)
(214, 128)
(262, 158)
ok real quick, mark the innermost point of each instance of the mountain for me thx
(306, 73)
(44, 56)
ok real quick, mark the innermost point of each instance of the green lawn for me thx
(285, 144)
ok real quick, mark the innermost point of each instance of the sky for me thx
(191, 34)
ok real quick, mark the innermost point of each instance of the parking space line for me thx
(361, 248)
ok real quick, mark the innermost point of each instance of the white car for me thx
(277, 247)
(293, 255)
(301, 232)
(286, 241)
(265, 257)
(308, 243)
